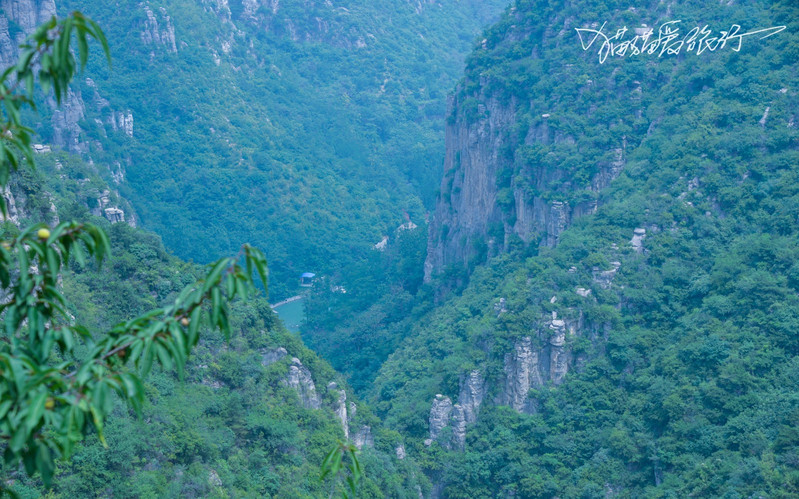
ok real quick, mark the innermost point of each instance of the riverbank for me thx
(287, 300)
(291, 312)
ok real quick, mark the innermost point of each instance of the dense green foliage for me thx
(57, 376)
(683, 381)
(306, 129)
(231, 428)
(349, 328)
(682, 373)
(60, 379)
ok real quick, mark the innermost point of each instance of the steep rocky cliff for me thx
(158, 30)
(69, 121)
(325, 107)
(623, 225)
(18, 18)
(455, 418)
(514, 172)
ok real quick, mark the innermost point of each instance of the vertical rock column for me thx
(299, 378)
(521, 374)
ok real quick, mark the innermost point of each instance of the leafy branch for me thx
(57, 379)
(333, 465)
(47, 57)
(48, 397)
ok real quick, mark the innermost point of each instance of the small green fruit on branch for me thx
(50, 395)
(47, 407)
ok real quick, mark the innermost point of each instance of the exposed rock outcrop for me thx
(66, 132)
(269, 357)
(471, 395)
(114, 215)
(467, 206)
(299, 378)
(439, 416)
(444, 414)
(521, 374)
(106, 208)
(28, 13)
(558, 355)
(155, 33)
(538, 360)
(340, 407)
(363, 437)
(122, 121)
(25, 15)
(500, 307)
(637, 241)
(605, 277)
(8, 47)
(458, 423)
(213, 479)
(12, 212)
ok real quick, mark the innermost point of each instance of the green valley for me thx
(550, 248)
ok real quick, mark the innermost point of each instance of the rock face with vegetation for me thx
(522, 370)
(247, 420)
(299, 378)
(636, 217)
(604, 302)
(306, 128)
(509, 173)
(20, 17)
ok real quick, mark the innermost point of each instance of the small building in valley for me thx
(306, 279)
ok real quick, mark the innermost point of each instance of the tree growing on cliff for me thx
(57, 379)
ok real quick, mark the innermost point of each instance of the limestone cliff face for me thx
(512, 153)
(19, 18)
(340, 407)
(540, 360)
(158, 30)
(439, 416)
(522, 372)
(471, 395)
(23, 15)
(65, 119)
(363, 437)
(299, 378)
(474, 211)
(455, 418)
(467, 205)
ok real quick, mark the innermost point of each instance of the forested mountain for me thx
(255, 415)
(603, 301)
(613, 251)
(304, 127)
